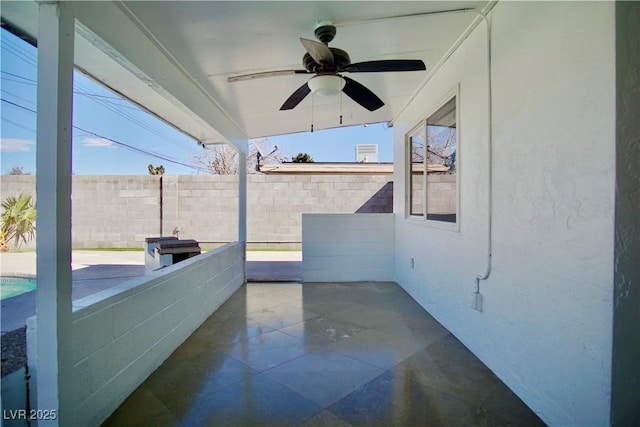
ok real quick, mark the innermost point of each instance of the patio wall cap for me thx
(346, 168)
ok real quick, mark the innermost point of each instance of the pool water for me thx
(11, 286)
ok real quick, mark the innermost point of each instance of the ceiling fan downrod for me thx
(325, 31)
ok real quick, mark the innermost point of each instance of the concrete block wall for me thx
(120, 211)
(441, 194)
(276, 202)
(348, 247)
(202, 207)
(121, 335)
(114, 211)
(12, 185)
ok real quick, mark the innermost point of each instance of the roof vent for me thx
(367, 153)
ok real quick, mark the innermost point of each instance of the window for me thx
(442, 136)
(432, 152)
(416, 144)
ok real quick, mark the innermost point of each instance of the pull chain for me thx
(313, 97)
(341, 107)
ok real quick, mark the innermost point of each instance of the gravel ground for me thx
(14, 350)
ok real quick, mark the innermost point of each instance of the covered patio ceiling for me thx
(174, 58)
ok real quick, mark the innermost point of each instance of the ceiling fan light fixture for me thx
(325, 85)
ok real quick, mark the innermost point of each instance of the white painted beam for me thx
(242, 197)
(53, 191)
(134, 48)
(242, 205)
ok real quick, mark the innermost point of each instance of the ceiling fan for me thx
(327, 63)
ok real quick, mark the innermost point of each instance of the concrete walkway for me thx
(94, 271)
(24, 263)
(268, 266)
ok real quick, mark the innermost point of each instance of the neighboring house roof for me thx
(346, 168)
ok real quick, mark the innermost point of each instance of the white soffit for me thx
(174, 58)
(123, 78)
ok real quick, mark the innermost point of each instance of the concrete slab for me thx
(274, 256)
(24, 263)
(274, 266)
(94, 271)
(274, 271)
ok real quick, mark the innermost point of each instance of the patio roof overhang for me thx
(174, 58)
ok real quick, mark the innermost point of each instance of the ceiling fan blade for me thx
(319, 52)
(386, 65)
(296, 97)
(361, 94)
(265, 74)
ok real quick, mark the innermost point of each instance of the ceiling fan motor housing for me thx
(341, 60)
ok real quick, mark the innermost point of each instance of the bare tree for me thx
(18, 170)
(417, 145)
(441, 148)
(218, 160)
(223, 159)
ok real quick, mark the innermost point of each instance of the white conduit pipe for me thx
(487, 272)
(446, 56)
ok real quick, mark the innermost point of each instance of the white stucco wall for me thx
(122, 334)
(545, 329)
(347, 247)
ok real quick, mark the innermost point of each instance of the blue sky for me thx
(112, 136)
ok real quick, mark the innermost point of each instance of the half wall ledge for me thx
(122, 334)
(348, 247)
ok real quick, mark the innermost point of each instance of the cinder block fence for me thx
(120, 211)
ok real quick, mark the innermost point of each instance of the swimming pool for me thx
(11, 286)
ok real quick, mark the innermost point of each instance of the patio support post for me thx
(625, 375)
(242, 204)
(53, 194)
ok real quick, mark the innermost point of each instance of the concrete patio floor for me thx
(322, 354)
(94, 271)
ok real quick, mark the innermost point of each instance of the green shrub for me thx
(18, 220)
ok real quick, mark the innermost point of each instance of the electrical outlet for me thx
(413, 262)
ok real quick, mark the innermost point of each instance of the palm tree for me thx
(3, 242)
(18, 220)
(155, 170)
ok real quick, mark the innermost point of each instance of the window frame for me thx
(409, 174)
(422, 218)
